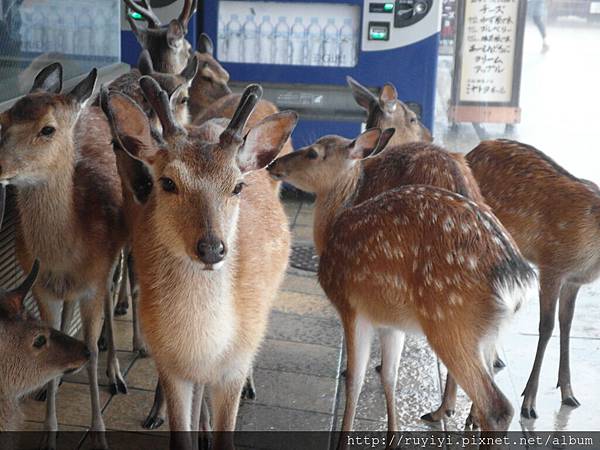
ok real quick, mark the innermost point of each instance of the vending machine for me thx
(302, 50)
(165, 10)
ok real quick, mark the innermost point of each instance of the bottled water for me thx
(234, 39)
(282, 42)
(84, 36)
(330, 44)
(27, 30)
(298, 42)
(265, 44)
(38, 30)
(314, 54)
(99, 34)
(51, 30)
(69, 32)
(347, 45)
(250, 41)
(222, 39)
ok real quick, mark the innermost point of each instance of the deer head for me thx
(36, 130)
(31, 353)
(167, 44)
(212, 80)
(318, 167)
(198, 173)
(387, 111)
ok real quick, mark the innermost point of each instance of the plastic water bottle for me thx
(298, 42)
(27, 29)
(282, 42)
(38, 30)
(330, 43)
(250, 41)
(314, 41)
(221, 40)
(347, 45)
(265, 44)
(99, 34)
(234, 39)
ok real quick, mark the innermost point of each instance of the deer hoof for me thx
(528, 412)
(153, 422)
(378, 368)
(118, 386)
(471, 423)
(571, 401)
(248, 392)
(428, 418)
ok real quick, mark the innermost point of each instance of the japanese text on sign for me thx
(488, 50)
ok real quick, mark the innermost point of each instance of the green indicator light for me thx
(136, 15)
(387, 7)
(378, 35)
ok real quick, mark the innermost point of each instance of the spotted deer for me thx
(437, 262)
(58, 155)
(554, 217)
(211, 244)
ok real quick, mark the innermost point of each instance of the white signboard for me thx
(488, 50)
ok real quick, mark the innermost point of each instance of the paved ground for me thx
(298, 370)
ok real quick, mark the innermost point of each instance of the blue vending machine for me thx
(165, 10)
(302, 50)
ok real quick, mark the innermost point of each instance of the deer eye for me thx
(168, 185)
(184, 100)
(238, 188)
(413, 120)
(312, 154)
(39, 341)
(47, 131)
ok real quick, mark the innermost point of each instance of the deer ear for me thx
(49, 79)
(384, 139)
(175, 33)
(364, 97)
(12, 304)
(205, 44)
(191, 69)
(388, 93)
(175, 96)
(85, 88)
(264, 141)
(145, 65)
(364, 144)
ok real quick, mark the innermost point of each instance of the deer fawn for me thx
(526, 189)
(210, 251)
(59, 156)
(437, 261)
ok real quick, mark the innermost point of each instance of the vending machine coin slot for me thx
(409, 12)
(379, 31)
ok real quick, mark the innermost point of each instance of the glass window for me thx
(80, 34)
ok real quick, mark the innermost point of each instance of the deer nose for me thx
(211, 251)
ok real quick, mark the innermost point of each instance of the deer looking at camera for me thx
(555, 219)
(211, 245)
(31, 353)
(416, 257)
(58, 155)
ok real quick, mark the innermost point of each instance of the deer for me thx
(57, 153)
(31, 352)
(525, 188)
(216, 221)
(417, 258)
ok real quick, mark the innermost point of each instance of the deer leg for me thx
(139, 344)
(50, 313)
(568, 295)
(178, 394)
(91, 315)
(448, 405)
(392, 343)
(358, 332)
(549, 291)
(158, 413)
(225, 400)
(121, 281)
(249, 390)
(113, 370)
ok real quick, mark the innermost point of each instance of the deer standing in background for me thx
(555, 219)
(58, 154)
(416, 257)
(211, 244)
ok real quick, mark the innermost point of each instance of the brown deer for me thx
(436, 261)
(554, 217)
(211, 244)
(58, 155)
(167, 44)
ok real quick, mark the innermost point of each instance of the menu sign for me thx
(488, 53)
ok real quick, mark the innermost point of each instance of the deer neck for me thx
(10, 414)
(332, 202)
(46, 209)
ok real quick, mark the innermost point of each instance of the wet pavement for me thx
(297, 372)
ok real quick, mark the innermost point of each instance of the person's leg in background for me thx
(538, 14)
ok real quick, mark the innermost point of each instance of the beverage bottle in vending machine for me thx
(314, 41)
(250, 40)
(282, 42)
(298, 42)
(233, 32)
(330, 43)
(265, 41)
(221, 40)
(347, 44)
